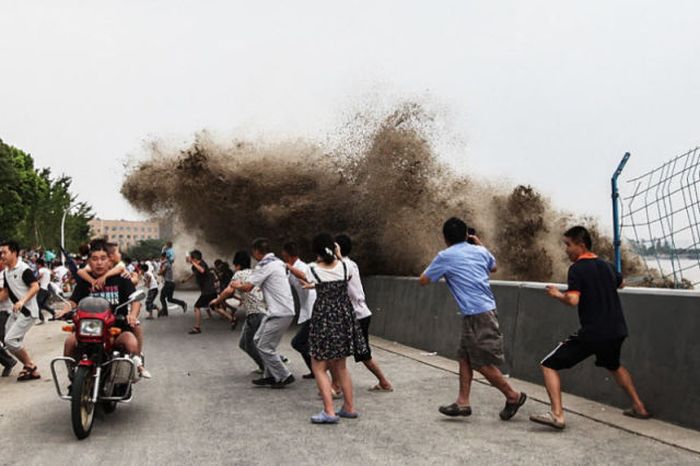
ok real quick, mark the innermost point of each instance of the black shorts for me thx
(364, 326)
(204, 300)
(574, 350)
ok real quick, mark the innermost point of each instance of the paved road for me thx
(200, 408)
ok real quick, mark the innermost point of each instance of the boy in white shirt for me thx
(362, 313)
(151, 283)
(307, 297)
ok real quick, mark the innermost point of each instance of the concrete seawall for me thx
(662, 352)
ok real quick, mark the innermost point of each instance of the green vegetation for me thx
(32, 203)
(146, 249)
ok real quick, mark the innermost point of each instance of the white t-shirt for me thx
(18, 282)
(356, 291)
(44, 276)
(150, 280)
(328, 275)
(60, 273)
(307, 296)
(270, 275)
(5, 305)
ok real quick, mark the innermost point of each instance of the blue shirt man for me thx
(466, 268)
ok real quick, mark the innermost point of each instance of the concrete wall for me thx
(662, 352)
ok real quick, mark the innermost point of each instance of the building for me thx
(124, 232)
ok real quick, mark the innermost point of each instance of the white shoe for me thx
(143, 373)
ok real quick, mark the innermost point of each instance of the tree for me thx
(33, 202)
(145, 249)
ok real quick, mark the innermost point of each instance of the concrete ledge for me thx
(662, 352)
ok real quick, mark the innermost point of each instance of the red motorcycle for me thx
(101, 375)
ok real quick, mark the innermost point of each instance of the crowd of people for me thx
(332, 317)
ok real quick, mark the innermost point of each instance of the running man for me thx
(21, 287)
(205, 281)
(592, 286)
(466, 268)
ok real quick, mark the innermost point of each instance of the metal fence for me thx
(661, 218)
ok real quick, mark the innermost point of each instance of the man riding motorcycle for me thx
(116, 291)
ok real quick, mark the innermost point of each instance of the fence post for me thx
(617, 240)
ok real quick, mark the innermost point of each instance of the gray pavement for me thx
(200, 408)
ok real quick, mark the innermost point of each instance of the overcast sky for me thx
(550, 93)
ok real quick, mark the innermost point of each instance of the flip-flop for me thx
(635, 414)
(195, 331)
(379, 388)
(547, 419)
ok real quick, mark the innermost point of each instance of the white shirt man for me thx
(307, 296)
(270, 275)
(21, 287)
(59, 274)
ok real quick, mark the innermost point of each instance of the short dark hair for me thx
(345, 244)
(291, 248)
(454, 230)
(323, 246)
(242, 258)
(196, 254)
(162, 254)
(145, 266)
(40, 262)
(84, 249)
(12, 245)
(261, 245)
(97, 245)
(580, 235)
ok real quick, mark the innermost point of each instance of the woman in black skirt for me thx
(334, 332)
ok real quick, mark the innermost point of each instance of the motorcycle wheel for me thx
(82, 407)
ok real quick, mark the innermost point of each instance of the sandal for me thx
(511, 408)
(454, 410)
(547, 419)
(28, 373)
(635, 414)
(195, 331)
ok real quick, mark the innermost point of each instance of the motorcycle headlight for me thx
(91, 327)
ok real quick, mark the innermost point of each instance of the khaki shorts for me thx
(481, 341)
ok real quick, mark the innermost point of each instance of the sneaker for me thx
(144, 374)
(284, 382)
(264, 381)
(323, 418)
